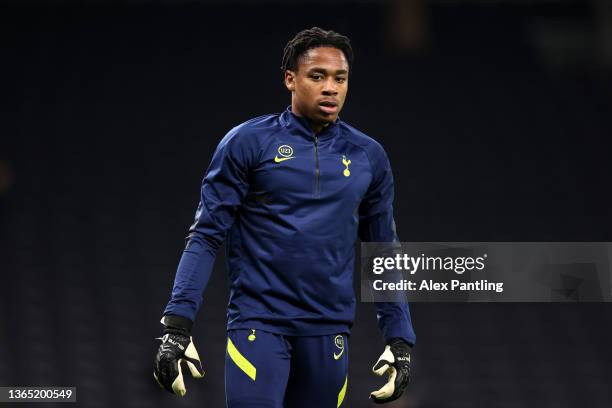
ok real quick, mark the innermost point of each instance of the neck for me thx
(316, 127)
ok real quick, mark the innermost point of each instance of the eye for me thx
(316, 77)
(340, 80)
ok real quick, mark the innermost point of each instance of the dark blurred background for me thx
(496, 116)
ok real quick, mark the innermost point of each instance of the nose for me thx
(330, 87)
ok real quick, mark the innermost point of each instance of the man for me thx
(291, 193)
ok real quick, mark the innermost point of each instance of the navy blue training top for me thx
(291, 204)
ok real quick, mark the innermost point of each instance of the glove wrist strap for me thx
(177, 325)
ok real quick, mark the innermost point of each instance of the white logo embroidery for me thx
(286, 152)
(339, 342)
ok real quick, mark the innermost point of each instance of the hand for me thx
(395, 361)
(177, 347)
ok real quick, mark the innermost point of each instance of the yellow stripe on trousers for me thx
(242, 363)
(342, 392)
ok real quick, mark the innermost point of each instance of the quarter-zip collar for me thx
(301, 127)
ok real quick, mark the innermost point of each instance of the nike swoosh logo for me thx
(337, 356)
(282, 159)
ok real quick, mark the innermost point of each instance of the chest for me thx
(330, 171)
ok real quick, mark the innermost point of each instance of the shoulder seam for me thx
(364, 150)
(238, 135)
(237, 129)
(258, 117)
(260, 154)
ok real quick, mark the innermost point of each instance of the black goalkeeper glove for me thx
(395, 361)
(177, 347)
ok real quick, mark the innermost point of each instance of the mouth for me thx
(328, 106)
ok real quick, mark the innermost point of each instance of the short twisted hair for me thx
(312, 38)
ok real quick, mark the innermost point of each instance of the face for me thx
(318, 87)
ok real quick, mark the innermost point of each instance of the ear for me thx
(290, 80)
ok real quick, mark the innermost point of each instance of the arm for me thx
(376, 224)
(222, 193)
